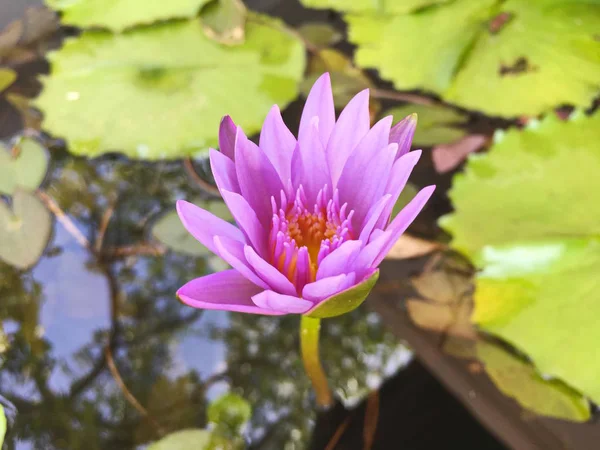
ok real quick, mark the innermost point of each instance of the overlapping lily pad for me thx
(160, 92)
(119, 14)
(527, 214)
(507, 58)
(22, 168)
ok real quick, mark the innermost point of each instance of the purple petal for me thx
(402, 134)
(223, 170)
(278, 143)
(233, 253)
(373, 217)
(247, 220)
(227, 131)
(339, 260)
(226, 291)
(401, 171)
(282, 304)
(269, 274)
(326, 287)
(402, 221)
(258, 178)
(351, 127)
(373, 175)
(204, 226)
(318, 104)
(309, 166)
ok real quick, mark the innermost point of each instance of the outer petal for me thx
(269, 274)
(247, 220)
(373, 217)
(402, 134)
(281, 304)
(233, 253)
(278, 143)
(226, 291)
(204, 226)
(326, 287)
(373, 175)
(351, 127)
(227, 131)
(309, 166)
(223, 170)
(402, 221)
(339, 260)
(401, 171)
(318, 104)
(258, 178)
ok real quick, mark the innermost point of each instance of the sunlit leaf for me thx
(184, 440)
(436, 124)
(543, 53)
(230, 412)
(320, 34)
(169, 230)
(24, 230)
(224, 21)
(121, 14)
(526, 214)
(3, 424)
(518, 379)
(160, 92)
(22, 167)
(7, 77)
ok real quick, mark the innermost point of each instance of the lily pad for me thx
(24, 230)
(518, 379)
(7, 77)
(160, 92)
(526, 214)
(184, 440)
(3, 424)
(320, 34)
(230, 412)
(224, 21)
(437, 124)
(120, 14)
(371, 6)
(345, 301)
(169, 230)
(24, 167)
(506, 58)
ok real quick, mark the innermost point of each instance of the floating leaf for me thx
(184, 440)
(447, 157)
(436, 124)
(7, 77)
(160, 92)
(539, 247)
(224, 21)
(544, 53)
(121, 14)
(518, 379)
(24, 230)
(230, 412)
(24, 167)
(408, 246)
(3, 424)
(320, 34)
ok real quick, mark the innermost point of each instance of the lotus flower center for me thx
(301, 237)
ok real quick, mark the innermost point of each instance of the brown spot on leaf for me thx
(498, 22)
(520, 66)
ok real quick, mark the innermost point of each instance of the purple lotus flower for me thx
(313, 214)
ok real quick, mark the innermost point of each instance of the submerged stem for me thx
(309, 343)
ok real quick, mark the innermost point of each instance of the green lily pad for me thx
(169, 230)
(230, 411)
(345, 301)
(224, 21)
(320, 34)
(3, 424)
(518, 379)
(25, 168)
(7, 77)
(120, 14)
(437, 124)
(507, 58)
(24, 230)
(160, 92)
(184, 440)
(526, 214)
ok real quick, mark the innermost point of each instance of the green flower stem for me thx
(309, 343)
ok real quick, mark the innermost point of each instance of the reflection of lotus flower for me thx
(312, 213)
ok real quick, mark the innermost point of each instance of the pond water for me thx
(61, 318)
